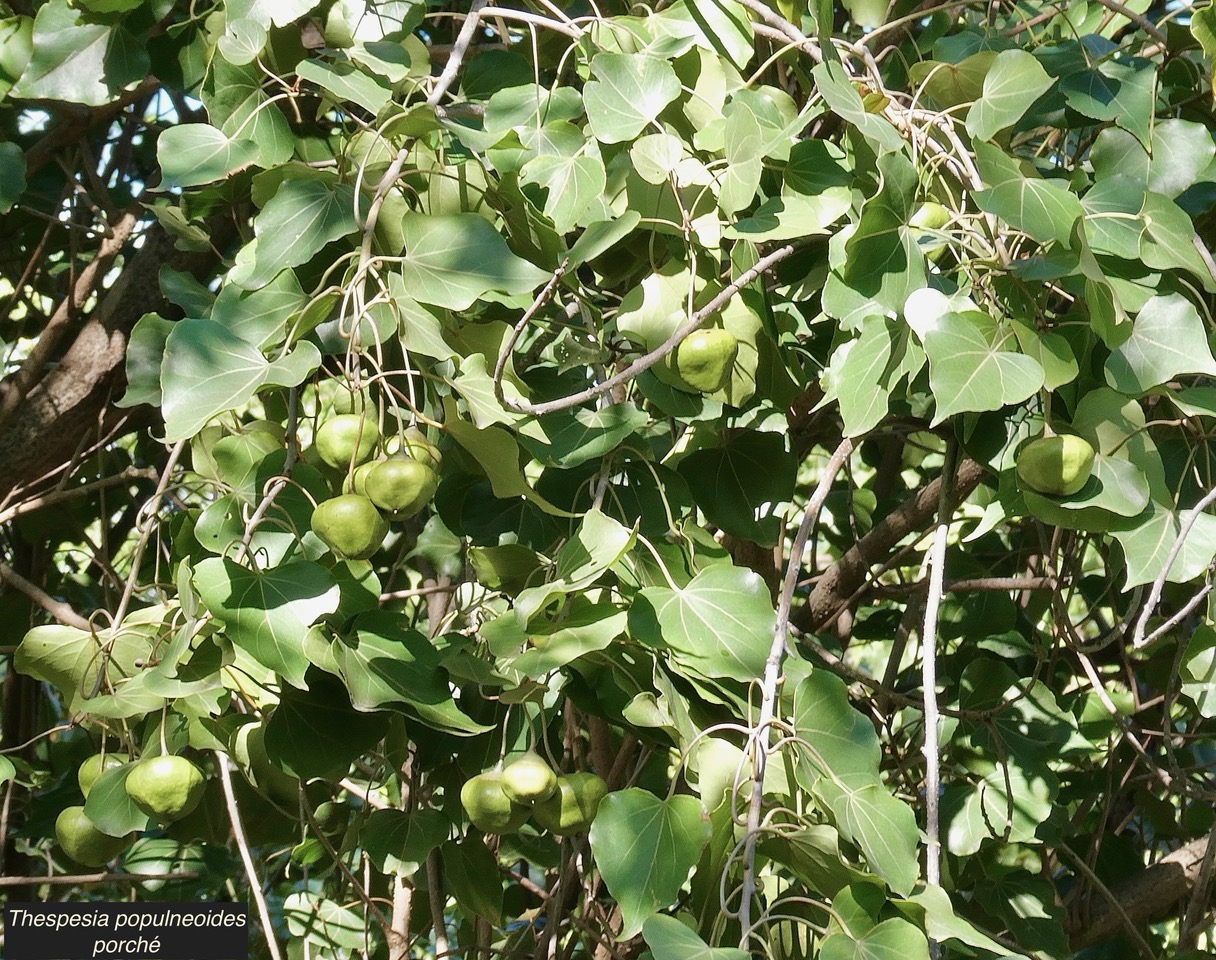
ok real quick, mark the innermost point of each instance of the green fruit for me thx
(83, 842)
(573, 806)
(401, 487)
(928, 219)
(529, 780)
(489, 808)
(704, 359)
(350, 525)
(414, 444)
(166, 788)
(331, 817)
(357, 481)
(346, 437)
(1057, 466)
(95, 766)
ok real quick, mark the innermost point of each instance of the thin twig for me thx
(772, 675)
(238, 831)
(459, 49)
(73, 879)
(1154, 595)
(647, 361)
(1084, 869)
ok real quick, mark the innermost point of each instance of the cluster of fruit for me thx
(165, 788)
(381, 485)
(500, 801)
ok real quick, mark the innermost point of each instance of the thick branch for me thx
(838, 584)
(1147, 897)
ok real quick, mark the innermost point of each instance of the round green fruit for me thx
(414, 444)
(166, 788)
(347, 437)
(331, 817)
(1057, 466)
(489, 808)
(83, 842)
(350, 525)
(401, 487)
(573, 806)
(95, 766)
(357, 481)
(705, 358)
(529, 780)
(928, 219)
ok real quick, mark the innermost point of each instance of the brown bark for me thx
(1148, 897)
(71, 404)
(838, 584)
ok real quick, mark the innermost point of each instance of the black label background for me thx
(29, 942)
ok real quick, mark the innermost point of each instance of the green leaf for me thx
(69, 59)
(598, 543)
(260, 317)
(242, 41)
(669, 939)
(386, 664)
(7, 770)
(859, 381)
(972, 368)
(1146, 547)
(70, 659)
(942, 923)
(346, 82)
(574, 184)
(732, 483)
(110, 808)
(238, 105)
(452, 260)
(629, 830)
(1003, 802)
(1169, 240)
(1117, 90)
(843, 743)
(205, 372)
(1167, 339)
(12, 175)
(145, 351)
(472, 872)
(1199, 670)
(194, 153)
(278, 13)
(301, 218)
(744, 163)
(722, 26)
(844, 101)
(1011, 86)
(1044, 209)
(268, 613)
(720, 625)
(883, 826)
(316, 732)
(628, 93)
(583, 628)
(326, 923)
(398, 842)
(581, 435)
(893, 939)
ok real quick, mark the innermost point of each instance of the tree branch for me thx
(838, 584)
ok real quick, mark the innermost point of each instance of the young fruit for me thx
(414, 444)
(529, 780)
(331, 817)
(345, 437)
(928, 219)
(357, 481)
(1057, 466)
(95, 766)
(83, 842)
(166, 788)
(350, 525)
(401, 487)
(572, 808)
(704, 359)
(489, 808)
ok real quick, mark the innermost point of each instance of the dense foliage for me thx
(786, 422)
